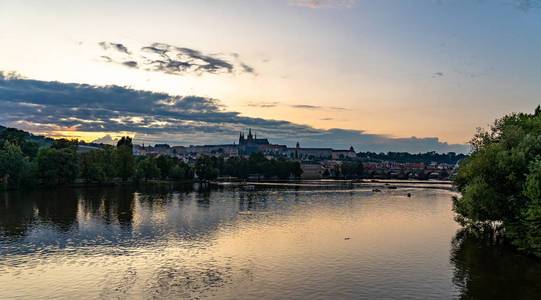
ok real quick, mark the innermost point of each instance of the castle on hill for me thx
(251, 140)
(247, 144)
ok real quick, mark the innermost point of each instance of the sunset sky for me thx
(402, 75)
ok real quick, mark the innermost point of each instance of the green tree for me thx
(124, 159)
(165, 164)
(65, 144)
(21, 139)
(15, 168)
(99, 165)
(500, 181)
(352, 169)
(57, 166)
(205, 169)
(147, 168)
(295, 169)
(125, 141)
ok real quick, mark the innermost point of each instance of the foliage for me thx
(181, 171)
(352, 169)
(16, 169)
(124, 158)
(125, 141)
(255, 164)
(147, 168)
(205, 168)
(501, 180)
(405, 157)
(65, 144)
(57, 166)
(99, 165)
(21, 139)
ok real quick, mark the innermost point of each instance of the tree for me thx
(500, 181)
(295, 169)
(65, 144)
(125, 141)
(205, 169)
(99, 165)
(57, 166)
(15, 168)
(352, 169)
(165, 164)
(124, 158)
(21, 139)
(147, 168)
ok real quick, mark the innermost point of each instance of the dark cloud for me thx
(178, 60)
(130, 63)
(161, 57)
(247, 68)
(116, 46)
(438, 74)
(46, 106)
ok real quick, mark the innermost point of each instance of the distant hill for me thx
(44, 141)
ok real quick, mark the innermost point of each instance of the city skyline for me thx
(378, 75)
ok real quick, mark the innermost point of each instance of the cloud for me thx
(263, 104)
(438, 74)
(50, 106)
(247, 68)
(116, 46)
(130, 63)
(323, 3)
(526, 5)
(307, 106)
(107, 139)
(106, 58)
(165, 58)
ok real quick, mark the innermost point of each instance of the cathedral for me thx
(251, 140)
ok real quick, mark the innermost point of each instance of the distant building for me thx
(344, 154)
(251, 140)
(246, 144)
(309, 153)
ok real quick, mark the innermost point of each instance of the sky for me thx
(381, 75)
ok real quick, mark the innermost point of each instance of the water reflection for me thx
(488, 268)
(293, 242)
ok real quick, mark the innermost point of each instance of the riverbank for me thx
(323, 183)
(372, 183)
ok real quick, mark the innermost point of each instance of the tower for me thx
(241, 138)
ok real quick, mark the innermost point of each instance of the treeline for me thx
(405, 157)
(256, 164)
(24, 164)
(347, 170)
(500, 183)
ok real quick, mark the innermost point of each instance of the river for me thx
(305, 241)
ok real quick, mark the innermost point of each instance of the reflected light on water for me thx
(274, 242)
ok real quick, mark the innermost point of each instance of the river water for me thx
(274, 242)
